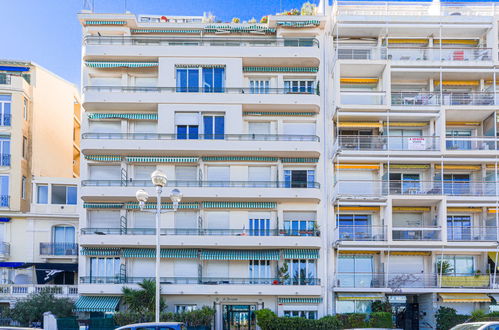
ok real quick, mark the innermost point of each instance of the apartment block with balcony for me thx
(231, 113)
(37, 167)
(413, 89)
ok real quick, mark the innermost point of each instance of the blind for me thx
(186, 220)
(144, 220)
(407, 219)
(103, 219)
(185, 268)
(102, 172)
(186, 173)
(105, 81)
(146, 126)
(217, 220)
(299, 128)
(186, 118)
(143, 267)
(143, 172)
(259, 128)
(407, 264)
(219, 268)
(259, 173)
(105, 126)
(218, 173)
(309, 216)
(146, 81)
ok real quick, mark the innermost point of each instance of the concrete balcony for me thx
(282, 144)
(362, 99)
(356, 143)
(448, 99)
(367, 233)
(125, 189)
(472, 234)
(221, 46)
(16, 291)
(225, 95)
(466, 144)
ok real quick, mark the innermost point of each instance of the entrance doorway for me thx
(406, 311)
(239, 317)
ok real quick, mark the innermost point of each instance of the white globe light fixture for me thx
(159, 178)
(176, 197)
(142, 197)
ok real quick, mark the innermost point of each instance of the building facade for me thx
(326, 161)
(38, 194)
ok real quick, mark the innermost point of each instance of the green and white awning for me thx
(103, 158)
(267, 113)
(105, 22)
(239, 158)
(299, 24)
(144, 116)
(240, 255)
(162, 159)
(97, 304)
(165, 253)
(200, 65)
(300, 254)
(90, 205)
(104, 64)
(299, 160)
(135, 205)
(165, 31)
(100, 252)
(239, 28)
(239, 205)
(280, 69)
(299, 300)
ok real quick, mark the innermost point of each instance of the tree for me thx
(143, 300)
(444, 267)
(31, 308)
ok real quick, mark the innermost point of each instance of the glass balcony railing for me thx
(205, 90)
(218, 184)
(360, 233)
(201, 232)
(409, 98)
(200, 280)
(381, 143)
(59, 249)
(362, 98)
(471, 143)
(225, 137)
(416, 234)
(471, 234)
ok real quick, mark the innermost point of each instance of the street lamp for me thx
(159, 180)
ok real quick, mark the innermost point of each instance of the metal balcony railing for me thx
(203, 137)
(464, 98)
(416, 233)
(217, 184)
(10, 290)
(395, 143)
(360, 233)
(200, 232)
(59, 249)
(201, 41)
(362, 97)
(202, 90)
(200, 280)
(471, 234)
(409, 98)
(414, 187)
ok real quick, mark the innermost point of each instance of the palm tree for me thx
(141, 301)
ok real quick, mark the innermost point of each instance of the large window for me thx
(5, 109)
(459, 265)
(458, 139)
(353, 306)
(299, 86)
(259, 86)
(355, 271)
(457, 184)
(405, 183)
(104, 267)
(299, 178)
(179, 309)
(354, 227)
(311, 315)
(300, 223)
(64, 194)
(42, 194)
(4, 191)
(213, 80)
(214, 127)
(302, 271)
(459, 228)
(259, 227)
(5, 151)
(187, 125)
(188, 80)
(259, 271)
(63, 239)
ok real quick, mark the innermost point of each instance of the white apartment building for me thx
(326, 161)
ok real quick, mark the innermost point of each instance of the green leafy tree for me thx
(444, 267)
(447, 318)
(142, 302)
(31, 308)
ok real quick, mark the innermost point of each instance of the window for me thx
(25, 147)
(64, 194)
(25, 109)
(42, 194)
(459, 265)
(355, 271)
(259, 86)
(23, 187)
(214, 127)
(458, 139)
(63, 239)
(143, 172)
(259, 128)
(213, 80)
(187, 124)
(105, 172)
(102, 267)
(259, 227)
(190, 132)
(353, 306)
(405, 183)
(186, 173)
(104, 126)
(299, 178)
(5, 109)
(311, 315)
(354, 227)
(259, 271)
(299, 223)
(188, 80)
(299, 86)
(399, 138)
(302, 271)
(5, 151)
(456, 184)
(4, 191)
(185, 308)
(459, 228)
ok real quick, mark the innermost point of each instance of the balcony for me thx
(58, 249)
(22, 290)
(5, 79)
(411, 280)
(416, 233)
(463, 98)
(416, 98)
(471, 234)
(225, 137)
(471, 143)
(409, 98)
(360, 233)
(216, 184)
(362, 98)
(196, 90)
(4, 250)
(383, 143)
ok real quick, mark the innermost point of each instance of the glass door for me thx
(458, 139)
(239, 317)
(459, 228)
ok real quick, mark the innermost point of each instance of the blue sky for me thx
(48, 33)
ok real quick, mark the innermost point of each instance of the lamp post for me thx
(159, 180)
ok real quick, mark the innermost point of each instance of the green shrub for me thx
(268, 320)
(477, 315)
(265, 319)
(381, 306)
(197, 318)
(380, 320)
(353, 320)
(447, 318)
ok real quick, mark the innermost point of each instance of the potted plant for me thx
(444, 267)
(264, 19)
(308, 9)
(282, 274)
(236, 20)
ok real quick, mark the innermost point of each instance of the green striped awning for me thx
(90, 205)
(299, 160)
(162, 159)
(102, 158)
(301, 300)
(145, 116)
(280, 69)
(240, 255)
(239, 205)
(100, 251)
(165, 31)
(299, 23)
(300, 254)
(165, 253)
(239, 28)
(239, 158)
(200, 65)
(105, 22)
(97, 304)
(104, 64)
(267, 113)
(135, 205)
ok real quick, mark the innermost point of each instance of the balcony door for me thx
(457, 184)
(4, 151)
(356, 271)
(354, 227)
(398, 139)
(299, 178)
(407, 271)
(63, 239)
(458, 139)
(459, 228)
(405, 183)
